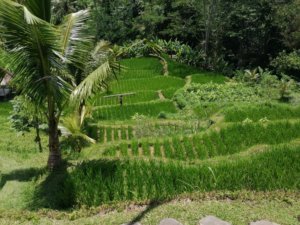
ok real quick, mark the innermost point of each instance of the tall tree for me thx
(42, 54)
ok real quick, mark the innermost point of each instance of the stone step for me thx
(263, 222)
(208, 220)
(169, 221)
(212, 220)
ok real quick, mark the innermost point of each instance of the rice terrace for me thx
(161, 112)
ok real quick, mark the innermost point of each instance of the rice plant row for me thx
(145, 128)
(104, 134)
(125, 112)
(169, 93)
(142, 64)
(155, 84)
(203, 78)
(137, 74)
(105, 181)
(238, 113)
(136, 97)
(227, 141)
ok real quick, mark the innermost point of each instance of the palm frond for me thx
(32, 44)
(75, 42)
(41, 8)
(71, 126)
(96, 81)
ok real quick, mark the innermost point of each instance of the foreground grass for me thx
(238, 208)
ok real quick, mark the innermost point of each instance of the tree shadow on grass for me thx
(61, 188)
(92, 182)
(22, 175)
(55, 192)
(152, 205)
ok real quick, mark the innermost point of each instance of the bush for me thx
(183, 53)
(288, 63)
(162, 115)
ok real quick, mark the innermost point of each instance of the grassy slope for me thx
(27, 188)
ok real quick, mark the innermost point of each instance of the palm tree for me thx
(45, 59)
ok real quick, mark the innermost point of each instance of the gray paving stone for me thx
(131, 224)
(263, 222)
(212, 220)
(169, 221)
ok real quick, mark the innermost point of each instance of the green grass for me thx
(138, 74)
(103, 181)
(238, 208)
(152, 64)
(140, 68)
(169, 93)
(238, 113)
(180, 70)
(140, 96)
(125, 112)
(229, 140)
(98, 132)
(155, 84)
(203, 78)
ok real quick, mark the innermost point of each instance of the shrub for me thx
(183, 52)
(288, 63)
(162, 115)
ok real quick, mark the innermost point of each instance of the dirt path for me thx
(188, 80)
(161, 95)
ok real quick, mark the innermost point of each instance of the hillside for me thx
(193, 142)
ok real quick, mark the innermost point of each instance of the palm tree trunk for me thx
(54, 159)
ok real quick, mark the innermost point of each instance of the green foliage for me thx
(20, 117)
(203, 78)
(183, 53)
(195, 94)
(258, 77)
(181, 70)
(286, 88)
(137, 97)
(288, 63)
(155, 84)
(54, 65)
(288, 20)
(25, 114)
(220, 33)
(140, 68)
(255, 112)
(230, 140)
(169, 93)
(162, 115)
(125, 112)
(104, 181)
(141, 48)
(73, 132)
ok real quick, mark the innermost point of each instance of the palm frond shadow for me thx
(152, 205)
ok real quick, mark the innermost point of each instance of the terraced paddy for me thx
(150, 150)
